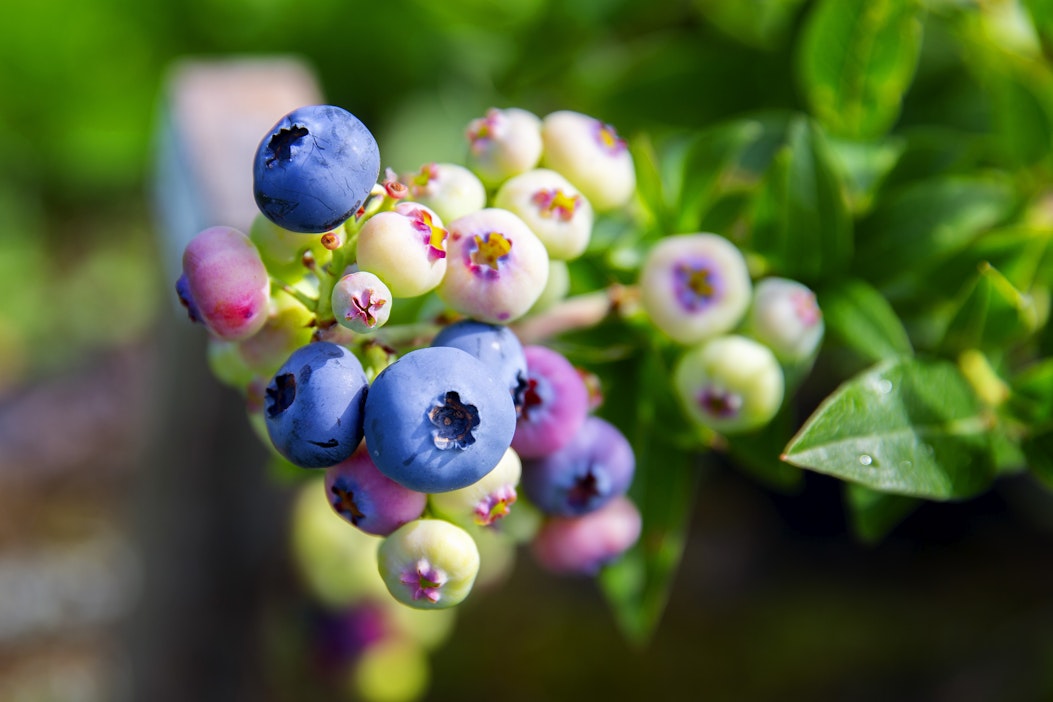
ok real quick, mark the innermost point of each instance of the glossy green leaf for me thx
(856, 61)
(1032, 392)
(924, 224)
(907, 426)
(874, 514)
(650, 189)
(991, 314)
(802, 225)
(859, 317)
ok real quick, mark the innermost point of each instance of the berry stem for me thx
(578, 312)
(306, 300)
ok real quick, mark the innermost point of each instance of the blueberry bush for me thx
(563, 322)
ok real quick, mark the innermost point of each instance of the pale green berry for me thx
(695, 286)
(591, 155)
(361, 302)
(556, 288)
(337, 563)
(405, 247)
(449, 189)
(503, 143)
(429, 563)
(730, 384)
(786, 317)
(553, 208)
(226, 363)
(391, 670)
(485, 502)
(283, 251)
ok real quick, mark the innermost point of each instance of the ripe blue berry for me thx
(315, 168)
(596, 466)
(313, 405)
(495, 345)
(437, 419)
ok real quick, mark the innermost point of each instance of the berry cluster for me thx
(366, 319)
(743, 341)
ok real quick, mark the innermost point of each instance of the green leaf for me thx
(649, 186)
(874, 514)
(802, 225)
(865, 164)
(1032, 392)
(667, 473)
(724, 162)
(909, 234)
(1039, 452)
(858, 316)
(907, 426)
(760, 23)
(1041, 12)
(856, 61)
(991, 314)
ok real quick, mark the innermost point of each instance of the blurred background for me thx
(142, 541)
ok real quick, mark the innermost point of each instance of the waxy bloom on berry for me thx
(497, 267)
(449, 189)
(503, 143)
(553, 208)
(695, 286)
(368, 499)
(405, 247)
(591, 155)
(730, 384)
(429, 564)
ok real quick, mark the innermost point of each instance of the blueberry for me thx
(429, 563)
(367, 498)
(554, 403)
(313, 405)
(596, 466)
(225, 283)
(730, 384)
(582, 545)
(315, 169)
(495, 345)
(437, 420)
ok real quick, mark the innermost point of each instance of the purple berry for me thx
(367, 498)
(582, 545)
(437, 420)
(313, 405)
(495, 345)
(225, 283)
(596, 466)
(555, 402)
(315, 169)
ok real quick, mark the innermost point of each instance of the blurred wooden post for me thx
(210, 522)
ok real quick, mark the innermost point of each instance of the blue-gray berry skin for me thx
(315, 168)
(437, 420)
(495, 345)
(596, 466)
(314, 405)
